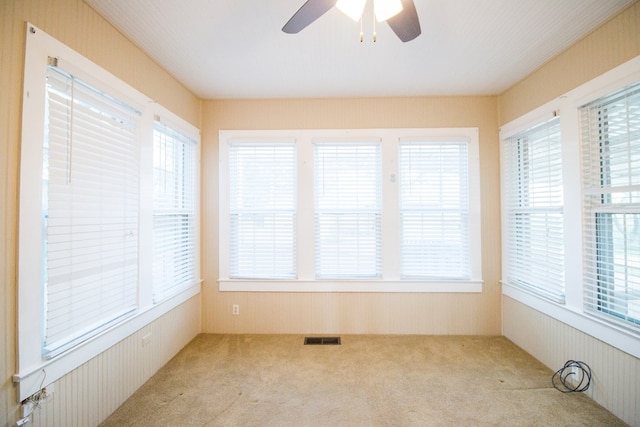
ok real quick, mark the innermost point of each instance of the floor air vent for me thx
(322, 341)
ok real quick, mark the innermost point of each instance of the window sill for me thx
(389, 286)
(30, 380)
(611, 334)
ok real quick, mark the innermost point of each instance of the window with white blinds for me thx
(534, 253)
(434, 210)
(174, 211)
(323, 211)
(89, 214)
(348, 210)
(262, 196)
(611, 177)
(570, 187)
(90, 211)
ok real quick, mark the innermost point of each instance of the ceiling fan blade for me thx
(406, 24)
(309, 12)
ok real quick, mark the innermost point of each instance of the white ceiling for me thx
(236, 49)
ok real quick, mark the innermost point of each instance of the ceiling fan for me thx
(403, 21)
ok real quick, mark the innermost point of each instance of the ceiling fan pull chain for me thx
(373, 15)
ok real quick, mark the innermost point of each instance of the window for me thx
(339, 211)
(571, 208)
(534, 210)
(262, 210)
(174, 211)
(611, 155)
(348, 210)
(90, 211)
(107, 224)
(434, 210)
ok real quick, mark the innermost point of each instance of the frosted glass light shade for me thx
(385, 9)
(352, 8)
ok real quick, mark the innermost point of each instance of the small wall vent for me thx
(322, 341)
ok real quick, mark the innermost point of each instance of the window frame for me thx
(390, 280)
(422, 205)
(601, 295)
(251, 210)
(187, 204)
(572, 311)
(33, 371)
(329, 212)
(88, 283)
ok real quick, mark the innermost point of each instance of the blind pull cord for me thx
(71, 125)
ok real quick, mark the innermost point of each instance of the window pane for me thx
(434, 210)
(348, 210)
(263, 210)
(90, 211)
(534, 200)
(174, 212)
(611, 156)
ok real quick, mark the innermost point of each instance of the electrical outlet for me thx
(34, 401)
(236, 309)
(573, 377)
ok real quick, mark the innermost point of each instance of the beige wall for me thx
(353, 313)
(112, 376)
(75, 24)
(611, 44)
(616, 383)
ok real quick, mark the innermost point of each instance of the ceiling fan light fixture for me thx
(352, 8)
(400, 15)
(385, 9)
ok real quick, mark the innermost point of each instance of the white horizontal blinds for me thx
(174, 211)
(434, 210)
(611, 155)
(348, 210)
(90, 211)
(534, 209)
(262, 193)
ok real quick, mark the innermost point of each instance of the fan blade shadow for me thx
(309, 12)
(406, 24)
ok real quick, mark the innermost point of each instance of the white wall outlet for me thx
(235, 309)
(577, 375)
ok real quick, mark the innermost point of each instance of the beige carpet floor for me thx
(263, 380)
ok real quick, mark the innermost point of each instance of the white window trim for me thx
(33, 371)
(390, 281)
(572, 312)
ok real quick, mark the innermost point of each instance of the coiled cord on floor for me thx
(574, 376)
